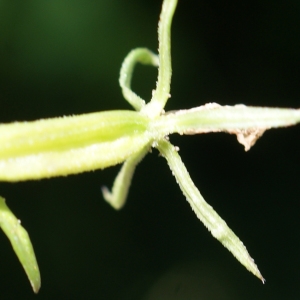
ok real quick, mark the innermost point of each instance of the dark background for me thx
(63, 57)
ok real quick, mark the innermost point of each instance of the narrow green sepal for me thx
(21, 244)
(207, 215)
(117, 197)
(138, 55)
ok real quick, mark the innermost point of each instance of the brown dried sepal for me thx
(248, 137)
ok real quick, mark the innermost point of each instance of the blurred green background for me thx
(63, 57)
